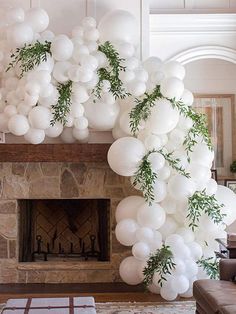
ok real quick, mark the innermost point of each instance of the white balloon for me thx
(76, 110)
(80, 93)
(81, 135)
(20, 34)
(24, 109)
(179, 284)
(124, 122)
(202, 155)
(101, 116)
(163, 117)
(180, 187)
(169, 205)
(211, 187)
(81, 123)
(132, 151)
(129, 270)
(174, 68)
(164, 173)
(152, 141)
(196, 250)
(67, 136)
(141, 250)
(168, 227)
(18, 125)
(151, 216)
(15, 15)
(159, 190)
(118, 26)
(10, 111)
(38, 19)
(127, 208)
(125, 231)
(60, 71)
(61, 48)
(136, 88)
(180, 267)
(186, 234)
(187, 98)
(227, 197)
(46, 65)
(35, 136)
(144, 234)
(168, 294)
(40, 117)
(191, 268)
(91, 34)
(157, 161)
(152, 64)
(126, 50)
(126, 76)
(55, 130)
(172, 88)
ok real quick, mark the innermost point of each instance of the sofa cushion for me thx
(213, 294)
(228, 309)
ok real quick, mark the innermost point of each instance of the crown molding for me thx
(192, 23)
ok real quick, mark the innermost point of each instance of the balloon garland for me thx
(55, 85)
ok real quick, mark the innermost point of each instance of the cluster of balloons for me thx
(26, 110)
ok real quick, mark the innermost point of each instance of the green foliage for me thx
(200, 203)
(111, 73)
(142, 110)
(174, 163)
(160, 262)
(30, 56)
(211, 266)
(199, 127)
(145, 178)
(233, 166)
(62, 107)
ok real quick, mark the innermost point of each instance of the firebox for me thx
(64, 229)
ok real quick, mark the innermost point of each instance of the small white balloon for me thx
(159, 190)
(141, 250)
(67, 136)
(81, 135)
(180, 187)
(54, 130)
(144, 234)
(129, 270)
(127, 208)
(174, 69)
(18, 125)
(187, 98)
(10, 111)
(81, 123)
(35, 136)
(172, 88)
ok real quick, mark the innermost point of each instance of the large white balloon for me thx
(118, 26)
(172, 88)
(174, 69)
(132, 151)
(129, 270)
(35, 136)
(151, 216)
(141, 250)
(101, 116)
(180, 187)
(61, 48)
(40, 117)
(20, 34)
(163, 117)
(38, 19)
(125, 231)
(227, 197)
(127, 208)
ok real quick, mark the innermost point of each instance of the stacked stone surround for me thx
(55, 181)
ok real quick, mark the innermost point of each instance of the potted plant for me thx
(233, 167)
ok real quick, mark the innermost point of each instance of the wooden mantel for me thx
(54, 152)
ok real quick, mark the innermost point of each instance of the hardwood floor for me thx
(102, 292)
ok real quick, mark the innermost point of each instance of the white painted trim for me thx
(206, 52)
(192, 23)
(91, 8)
(144, 29)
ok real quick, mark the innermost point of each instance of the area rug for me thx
(183, 307)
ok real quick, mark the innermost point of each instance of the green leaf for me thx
(160, 262)
(211, 266)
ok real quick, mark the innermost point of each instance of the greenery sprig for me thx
(142, 109)
(62, 107)
(145, 178)
(199, 127)
(30, 56)
(174, 163)
(111, 73)
(200, 203)
(160, 262)
(211, 266)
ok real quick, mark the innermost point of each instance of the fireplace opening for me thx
(64, 230)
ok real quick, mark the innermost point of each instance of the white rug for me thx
(183, 307)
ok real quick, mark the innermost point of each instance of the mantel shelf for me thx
(54, 152)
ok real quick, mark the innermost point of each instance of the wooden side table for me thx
(226, 251)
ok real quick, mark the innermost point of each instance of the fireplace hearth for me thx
(64, 230)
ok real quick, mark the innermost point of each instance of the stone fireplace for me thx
(65, 191)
